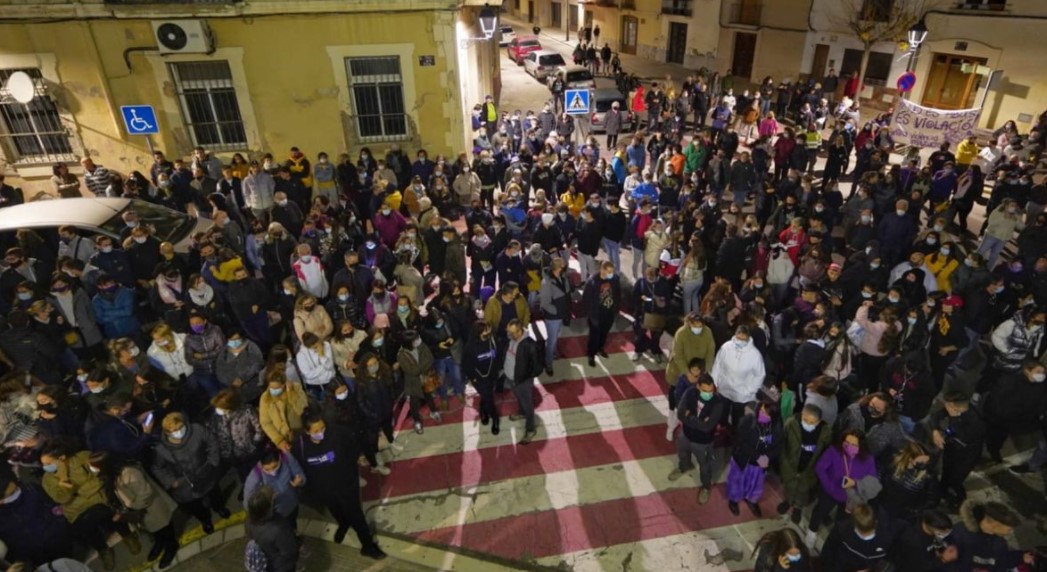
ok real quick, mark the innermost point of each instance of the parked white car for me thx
(543, 63)
(505, 35)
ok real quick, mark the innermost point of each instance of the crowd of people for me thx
(863, 351)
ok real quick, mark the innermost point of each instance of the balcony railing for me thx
(746, 13)
(676, 8)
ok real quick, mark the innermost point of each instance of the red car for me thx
(521, 46)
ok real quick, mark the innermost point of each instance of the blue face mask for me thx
(276, 392)
(705, 395)
(50, 467)
(235, 343)
(794, 558)
(807, 426)
(403, 310)
(343, 297)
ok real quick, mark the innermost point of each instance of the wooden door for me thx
(557, 15)
(821, 58)
(530, 11)
(630, 25)
(677, 48)
(572, 16)
(952, 82)
(744, 53)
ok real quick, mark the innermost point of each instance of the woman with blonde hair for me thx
(280, 410)
(310, 316)
(167, 352)
(692, 274)
(909, 484)
(187, 463)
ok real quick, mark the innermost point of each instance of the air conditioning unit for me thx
(183, 37)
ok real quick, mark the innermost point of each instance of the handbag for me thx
(652, 321)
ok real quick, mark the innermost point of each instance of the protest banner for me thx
(925, 127)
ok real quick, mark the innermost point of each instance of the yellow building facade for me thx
(322, 75)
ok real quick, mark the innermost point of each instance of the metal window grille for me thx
(378, 97)
(33, 132)
(209, 106)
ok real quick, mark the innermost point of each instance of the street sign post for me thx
(576, 101)
(141, 120)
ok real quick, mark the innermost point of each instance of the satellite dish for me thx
(172, 36)
(21, 87)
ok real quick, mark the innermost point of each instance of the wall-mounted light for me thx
(488, 20)
(917, 34)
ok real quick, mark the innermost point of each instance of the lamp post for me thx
(917, 35)
(488, 20)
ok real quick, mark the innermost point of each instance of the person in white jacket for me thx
(738, 372)
(310, 271)
(780, 271)
(167, 352)
(259, 188)
(316, 363)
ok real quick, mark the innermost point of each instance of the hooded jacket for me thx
(738, 371)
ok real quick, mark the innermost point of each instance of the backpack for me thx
(254, 558)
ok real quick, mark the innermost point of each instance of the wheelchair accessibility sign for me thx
(140, 119)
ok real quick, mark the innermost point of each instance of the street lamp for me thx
(489, 20)
(917, 34)
(488, 24)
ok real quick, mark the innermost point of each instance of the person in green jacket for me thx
(805, 439)
(692, 340)
(694, 156)
(72, 484)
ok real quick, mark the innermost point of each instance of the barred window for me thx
(209, 105)
(33, 132)
(378, 97)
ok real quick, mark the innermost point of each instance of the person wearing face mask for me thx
(29, 525)
(331, 478)
(1014, 405)
(280, 471)
(804, 440)
(280, 408)
(874, 415)
(114, 309)
(910, 386)
(236, 430)
(374, 396)
(859, 542)
(927, 543)
(110, 260)
(839, 469)
(187, 464)
(739, 372)
(601, 301)
(910, 484)
(1015, 340)
(781, 551)
(700, 411)
(139, 499)
(1001, 225)
(756, 444)
(311, 317)
(416, 360)
(957, 432)
(240, 365)
(316, 364)
(77, 490)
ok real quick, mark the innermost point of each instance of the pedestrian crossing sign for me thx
(576, 101)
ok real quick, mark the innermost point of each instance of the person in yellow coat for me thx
(942, 264)
(574, 199)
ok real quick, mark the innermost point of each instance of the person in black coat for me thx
(328, 456)
(910, 385)
(273, 534)
(601, 299)
(521, 364)
(859, 542)
(250, 302)
(957, 432)
(481, 366)
(115, 431)
(29, 524)
(1015, 405)
(923, 546)
(809, 357)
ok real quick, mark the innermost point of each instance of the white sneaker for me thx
(396, 447)
(636, 357)
(363, 483)
(669, 435)
(435, 416)
(811, 540)
(381, 470)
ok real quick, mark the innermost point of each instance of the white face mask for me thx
(1039, 377)
(220, 412)
(179, 434)
(12, 497)
(342, 396)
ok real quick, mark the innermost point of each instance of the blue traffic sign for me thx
(906, 82)
(576, 101)
(140, 119)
